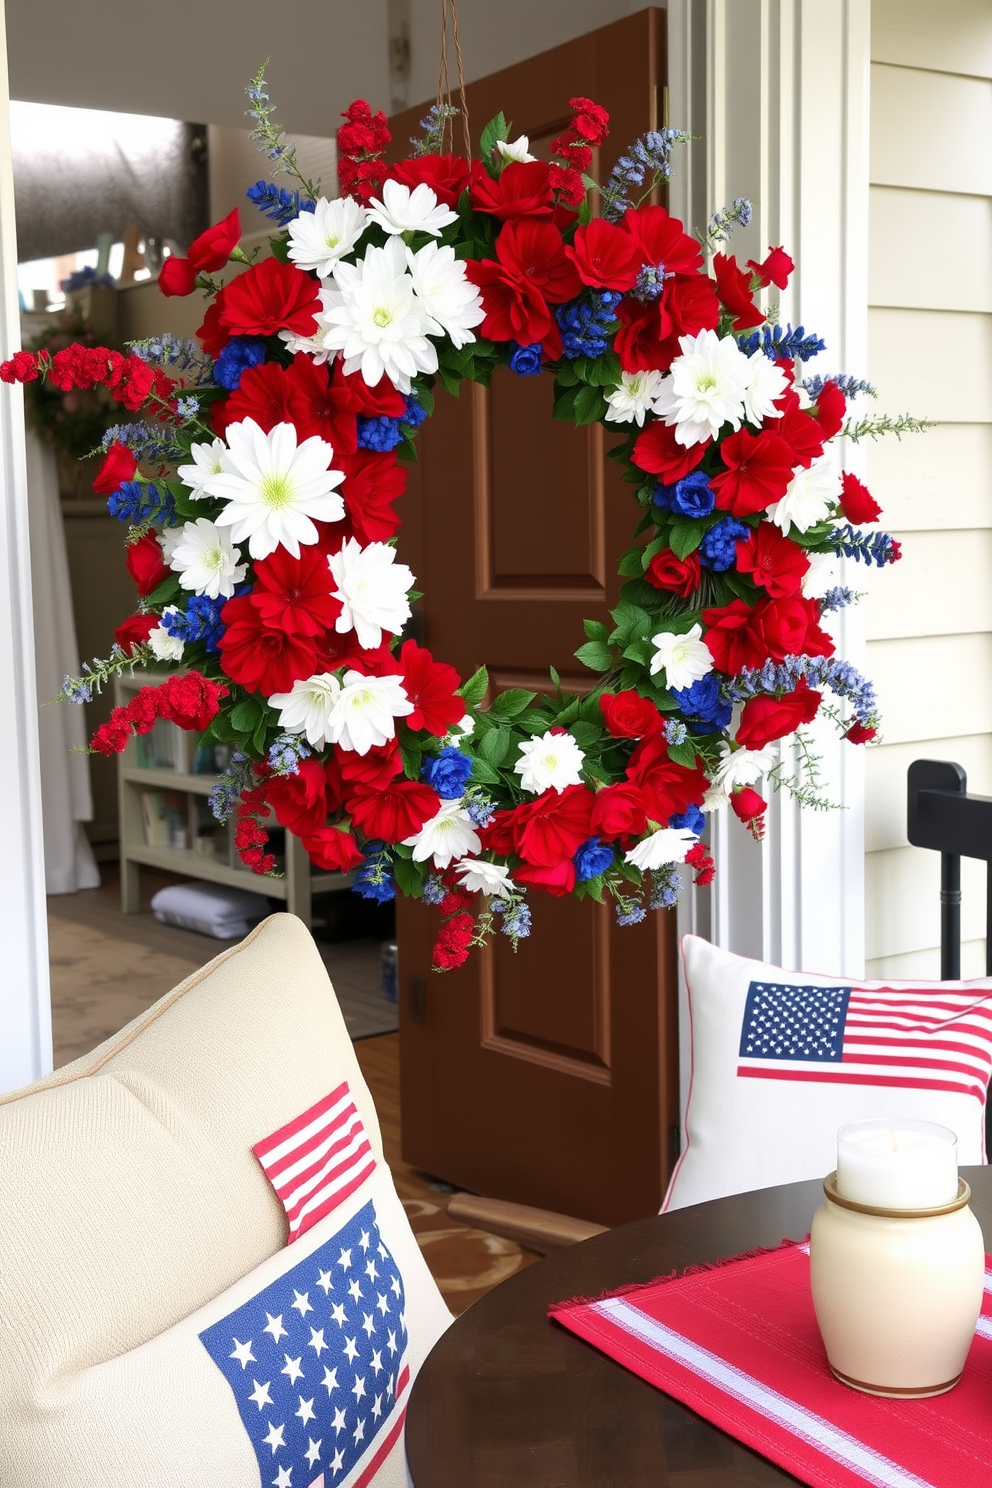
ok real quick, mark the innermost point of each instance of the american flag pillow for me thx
(777, 1061)
(318, 1159)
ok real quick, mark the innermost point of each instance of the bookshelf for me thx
(164, 781)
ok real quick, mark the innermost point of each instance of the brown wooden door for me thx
(549, 1077)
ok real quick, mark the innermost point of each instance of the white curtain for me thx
(65, 780)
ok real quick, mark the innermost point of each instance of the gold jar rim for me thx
(836, 1197)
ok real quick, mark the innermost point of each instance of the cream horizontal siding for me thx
(929, 618)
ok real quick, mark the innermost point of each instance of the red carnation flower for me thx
(800, 430)
(698, 858)
(393, 811)
(775, 269)
(567, 184)
(301, 394)
(531, 270)
(604, 256)
(210, 333)
(446, 175)
(859, 733)
(143, 560)
(177, 276)
(134, 631)
(260, 659)
(648, 338)
(677, 575)
(765, 719)
(627, 715)
(453, 940)
(294, 594)
(775, 562)
(591, 119)
(372, 482)
(734, 288)
(430, 685)
(856, 501)
(731, 638)
(270, 297)
(299, 801)
(21, 367)
(333, 849)
(119, 465)
(662, 240)
(759, 469)
(522, 189)
(657, 451)
(831, 405)
(191, 700)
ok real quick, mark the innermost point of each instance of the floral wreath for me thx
(259, 489)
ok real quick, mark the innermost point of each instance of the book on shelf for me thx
(165, 819)
(162, 748)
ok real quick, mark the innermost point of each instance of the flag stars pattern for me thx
(297, 1431)
(796, 1023)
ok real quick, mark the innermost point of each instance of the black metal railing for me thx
(942, 816)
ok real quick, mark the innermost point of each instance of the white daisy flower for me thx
(208, 461)
(375, 319)
(518, 149)
(316, 344)
(738, 767)
(450, 299)
(478, 874)
(166, 647)
(629, 403)
(401, 210)
(318, 239)
(766, 383)
(449, 835)
(683, 658)
(206, 560)
(809, 497)
(275, 489)
(549, 763)
(667, 845)
(366, 710)
(372, 588)
(706, 389)
(168, 540)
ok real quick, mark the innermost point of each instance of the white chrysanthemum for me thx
(275, 489)
(402, 210)
(809, 496)
(450, 300)
(315, 345)
(518, 149)
(318, 239)
(375, 319)
(372, 588)
(549, 763)
(166, 647)
(306, 709)
(738, 767)
(823, 574)
(766, 382)
(449, 835)
(168, 540)
(706, 388)
(667, 845)
(366, 710)
(477, 874)
(206, 560)
(208, 461)
(683, 658)
(629, 403)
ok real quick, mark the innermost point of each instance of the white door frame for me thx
(25, 1005)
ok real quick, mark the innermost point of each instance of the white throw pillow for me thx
(157, 1329)
(781, 1059)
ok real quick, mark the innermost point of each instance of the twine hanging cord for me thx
(449, 7)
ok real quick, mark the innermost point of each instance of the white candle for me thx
(897, 1165)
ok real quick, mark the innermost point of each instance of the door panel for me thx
(549, 1076)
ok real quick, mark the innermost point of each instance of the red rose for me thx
(665, 786)
(558, 879)
(270, 297)
(856, 501)
(618, 811)
(294, 594)
(661, 239)
(143, 560)
(372, 482)
(605, 256)
(394, 811)
(119, 465)
(831, 405)
(732, 639)
(734, 288)
(657, 451)
(858, 733)
(749, 808)
(135, 631)
(177, 276)
(431, 686)
(773, 561)
(678, 575)
(522, 189)
(446, 175)
(648, 337)
(376, 767)
(775, 269)
(550, 828)
(759, 469)
(788, 627)
(765, 719)
(262, 660)
(333, 849)
(299, 801)
(212, 249)
(627, 715)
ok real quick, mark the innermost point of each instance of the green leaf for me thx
(484, 772)
(493, 746)
(409, 877)
(496, 129)
(641, 651)
(533, 721)
(683, 754)
(585, 734)
(258, 737)
(280, 248)
(412, 758)
(631, 621)
(245, 715)
(657, 546)
(564, 406)
(631, 565)
(590, 405)
(596, 655)
(555, 676)
(474, 690)
(167, 592)
(595, 630)
(685, 537)
(569, 713)
(596, 769)
(508, 704)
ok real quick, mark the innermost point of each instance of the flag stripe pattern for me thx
(892, 1036)
(318, 1159)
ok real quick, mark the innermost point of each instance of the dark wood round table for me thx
(508, 1399)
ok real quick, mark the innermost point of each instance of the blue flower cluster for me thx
(86, 278)
(819, 671)
(650, 283)
(718, 549)
(481, 809)
(285, 753)
(723, 222)
(240, 353)
(585, 324)
(434, 890)
(277, 203)
(380, 433)
(592, 858)
(650, 153)
(526, 361)
(447, 773)
(837, 599)
(178, 352)
(632, 915)
(849, 386)
(675, 731)
(865, 547)
(374, 879)
(692, 496)
(76, 690)
(136, 501)
(415, 412)
(704, 703)
(692, 819)
(666, 885)
(782, 343)
(516, 917)
(200, 621)
(188, 408)
(146, 441)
